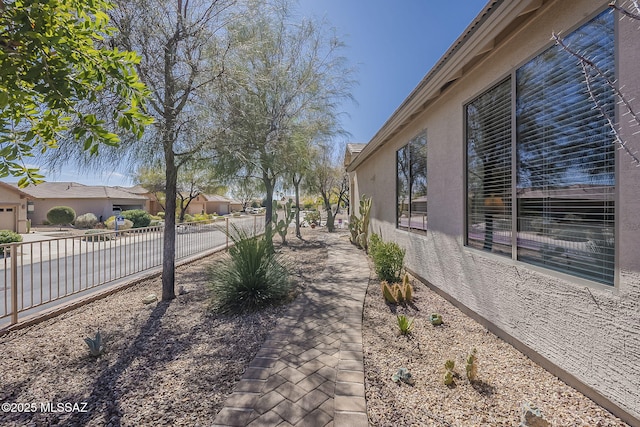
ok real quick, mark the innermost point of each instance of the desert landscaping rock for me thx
(506, 378)
(175, 363)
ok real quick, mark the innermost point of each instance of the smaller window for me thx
(411, 185)
(9, 209)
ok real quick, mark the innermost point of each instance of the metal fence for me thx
(38, 275)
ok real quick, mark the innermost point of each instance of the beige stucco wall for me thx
(19, 204)
(99, 207)
(200, 205)
(589, 331)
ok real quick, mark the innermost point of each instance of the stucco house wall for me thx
(16, 201)
(208, 205)
(586, 333)
(99, 200)
(101, 208)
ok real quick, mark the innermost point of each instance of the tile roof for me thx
(73, 190)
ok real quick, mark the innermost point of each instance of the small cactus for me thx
(448, 378)
(472, 366)
(407, 289)
(403, 375)
(397, 293)
(436, 319)
(449, 365)
(95, 345)
(448, 374)
(387, 292)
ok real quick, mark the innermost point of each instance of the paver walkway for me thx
(309, 371)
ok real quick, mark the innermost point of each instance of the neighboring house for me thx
(352, 150)
(152, 205)
(102, 201)
(235, 205)
(533, 213)
(212, 203)
(13, 208)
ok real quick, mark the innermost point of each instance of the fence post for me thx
(227, 232)
(255, 228)
(14, 283)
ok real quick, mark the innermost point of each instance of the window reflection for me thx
(565, 158)
(412, 184)
(489, 170)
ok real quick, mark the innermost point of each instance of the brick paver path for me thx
(310, 372)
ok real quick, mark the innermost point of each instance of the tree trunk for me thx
(330, 218)
(169, 250)
(296, 184)
(268, 185)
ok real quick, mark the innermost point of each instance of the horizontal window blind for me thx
(488, 121)
(566, 157)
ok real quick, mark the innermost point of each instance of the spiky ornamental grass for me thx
(252, 277)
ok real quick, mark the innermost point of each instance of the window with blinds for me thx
(411, 184)
(488, 120)
(566, 157)
(564, 168)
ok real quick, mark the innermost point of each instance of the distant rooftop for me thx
(74, 190)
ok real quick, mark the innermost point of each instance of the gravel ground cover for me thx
(164, 364)
(506, 378)
(174, 364)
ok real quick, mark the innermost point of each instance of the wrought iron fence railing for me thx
(41, 274)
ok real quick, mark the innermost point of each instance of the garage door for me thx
(8, 218)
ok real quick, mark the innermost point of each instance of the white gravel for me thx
(506, 378)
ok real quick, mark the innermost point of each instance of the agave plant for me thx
(95, 345)
(404, 324)
(253, 276)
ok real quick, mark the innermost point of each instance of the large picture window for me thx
(411, 184)
(564, 163)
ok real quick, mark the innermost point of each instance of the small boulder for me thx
(532, 416)
(151, 298)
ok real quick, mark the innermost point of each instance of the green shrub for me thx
(138, 217)
(87, 220)
(253, 276)
(111, 224)
(200, 217)
(7, 236)
(388, 260)
(312, 217)
(160, 214)
(60, 215)
(374, 243)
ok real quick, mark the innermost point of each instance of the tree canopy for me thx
(53, 64)
(281, 75)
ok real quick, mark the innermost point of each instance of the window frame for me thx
(513, 258)
(421, 134)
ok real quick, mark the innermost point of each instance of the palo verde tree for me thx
(194, 178)
(327, 178)
(280, 73)
(53, 67)
(179, 43)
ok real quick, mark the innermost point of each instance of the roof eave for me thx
(477, 40)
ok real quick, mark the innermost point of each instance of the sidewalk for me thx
(310, 370)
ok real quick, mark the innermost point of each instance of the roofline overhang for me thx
(15, 189)
(476, 41)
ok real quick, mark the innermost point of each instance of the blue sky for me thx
(393, 44)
